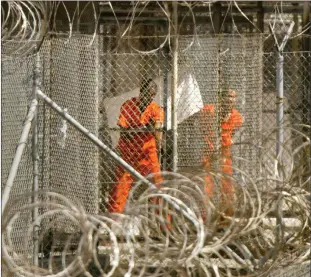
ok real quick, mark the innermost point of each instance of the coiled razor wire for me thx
(24, 24)
(270, 227)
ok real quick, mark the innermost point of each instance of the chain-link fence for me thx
(109, 92)
(74, 85)
(297, 271)
(17, 86)
(210, 66)
(297, 85)
(68, 162)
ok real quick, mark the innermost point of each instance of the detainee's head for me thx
(148, 91)
(228, 99)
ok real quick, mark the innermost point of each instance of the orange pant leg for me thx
(120, 193)
(146, 164)
(154, 166)
(227, 188)
(209, 184)
(149, 163)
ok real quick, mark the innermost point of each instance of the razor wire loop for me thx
(246, 261)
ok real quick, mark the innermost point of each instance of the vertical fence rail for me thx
(280, 93)
(35, 159)
(165, 106)
(174, 87)
(97, 88)
(279, 104)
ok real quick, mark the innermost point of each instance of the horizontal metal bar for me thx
(145, 20)
(274, 111)
(135, 130)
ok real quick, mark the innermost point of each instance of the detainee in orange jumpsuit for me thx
(140, 147)
(230, 121)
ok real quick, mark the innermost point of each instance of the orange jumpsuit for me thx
(233, 122)
(137, 149)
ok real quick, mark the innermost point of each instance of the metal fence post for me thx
(174, 87)
(35, 159)
(280, 90)
(279, 104)
(165, 106)
(97, 89)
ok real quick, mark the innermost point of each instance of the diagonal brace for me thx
(18, 155)
(93, 138)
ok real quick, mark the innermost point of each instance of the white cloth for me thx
(188, 99)
(188, 102)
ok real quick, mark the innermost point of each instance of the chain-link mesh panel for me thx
(127, 126)
(202, 61)
(68, 162)
(296, 270)
(17, 84)
(297, 83)
(204, 69)
(219, 64)
(74, 86)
